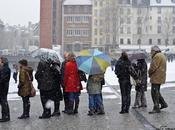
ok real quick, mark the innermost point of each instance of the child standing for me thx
(94, 90)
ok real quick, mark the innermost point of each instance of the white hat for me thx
(155, 48)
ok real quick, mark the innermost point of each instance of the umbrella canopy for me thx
(136, 55)
(45, 54)
(93, 61)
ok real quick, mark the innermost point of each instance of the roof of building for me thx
(162, 2)
(78, 2)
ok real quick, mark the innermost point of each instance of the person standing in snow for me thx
(4, 87)
(157, 74)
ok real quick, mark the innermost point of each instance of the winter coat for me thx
(48, 76)
(72, 81)
(94, 84)
(157, 70)
(124, 69)
(25, 78)
(5, 73)
(142, 75)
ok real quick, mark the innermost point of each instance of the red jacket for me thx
(71, 77)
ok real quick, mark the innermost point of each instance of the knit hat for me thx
(155, 48)
(23, 62)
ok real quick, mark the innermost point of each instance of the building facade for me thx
(77, 25)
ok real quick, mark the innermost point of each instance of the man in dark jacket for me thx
(4, 87)
(48, 78)
(124, 70)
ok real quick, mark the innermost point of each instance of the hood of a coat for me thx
(29, 70)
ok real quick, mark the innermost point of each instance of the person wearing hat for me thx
(24, 86)
(157, 74)
(4, 87)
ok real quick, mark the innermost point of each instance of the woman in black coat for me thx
(4, 87)
(49, 80)
(141, 84)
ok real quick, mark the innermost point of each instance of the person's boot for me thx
(155, 110)
(46, 114)
(5, 114)
(91, 112)
(70, 108)
(26, 109)
(76, 107)
(164, 106)
(56, 109)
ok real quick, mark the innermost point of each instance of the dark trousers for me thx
(5, 107)
(66, 100)
(15, 74)
(26, 105)
(157, 97)
(125, 88)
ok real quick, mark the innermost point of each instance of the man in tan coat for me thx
(157, 74)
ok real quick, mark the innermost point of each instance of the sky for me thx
(16, 12)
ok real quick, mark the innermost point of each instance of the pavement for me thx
(138, 119)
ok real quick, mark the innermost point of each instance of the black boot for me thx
(56, 109)
(70, 108)
(5, 110)
(26, 108)
(46, 112)
(76, 107)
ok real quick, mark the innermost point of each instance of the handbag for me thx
(33, 90)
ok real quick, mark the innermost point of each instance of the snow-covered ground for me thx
(110, 78)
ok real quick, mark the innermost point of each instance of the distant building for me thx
(77, 25)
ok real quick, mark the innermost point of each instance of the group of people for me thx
(137, 72)
(58, 81)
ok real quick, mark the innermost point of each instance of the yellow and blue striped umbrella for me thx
(93, 61)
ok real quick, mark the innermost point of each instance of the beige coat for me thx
(157, 70)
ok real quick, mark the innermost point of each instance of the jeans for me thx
(140, 99)
(95, 102)
(5, 108)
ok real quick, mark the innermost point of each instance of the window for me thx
(166, 42)
(129, 20)
(159, 29)
(121, 41)
(139, 11)
(95, 31)
(128, 41)
(174, 29)
(159, 41)
(101, 31)
(159, 10)
(121, 11)
(173, 10)
(101, 3)
(150, 41)
(128, 30)
(101, 41)
(95, 3)
(139, 30)
(173, 1)
(158, 1)
(173, 41)
(129, 11)
(139, 41)
(139, 20)
(173, 20)
(150, 28)
(121, 30)
(159, 20)
(121, 20)
(95, 22)
(95, 40)
(95, 13)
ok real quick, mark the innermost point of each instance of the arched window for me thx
(158, 1)
(139, 41)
